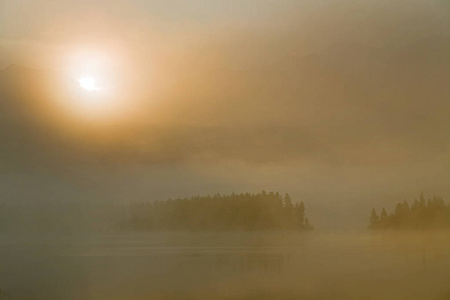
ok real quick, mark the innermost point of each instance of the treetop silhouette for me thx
(262, 211)
(421, 214)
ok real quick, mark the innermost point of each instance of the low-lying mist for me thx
(138, 140)
(233, 265)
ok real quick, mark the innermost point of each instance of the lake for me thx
(226, 265)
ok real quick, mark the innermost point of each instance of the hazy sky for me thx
(338, 103)
(41, 27)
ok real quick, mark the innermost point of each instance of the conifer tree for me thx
(374, 219)
(432, 213)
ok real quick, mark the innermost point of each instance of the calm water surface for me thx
(316, 265)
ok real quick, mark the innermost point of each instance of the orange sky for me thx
(321, 99)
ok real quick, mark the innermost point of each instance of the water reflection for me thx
(228, 265)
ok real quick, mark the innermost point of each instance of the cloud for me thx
(327, 101)
(364, 98)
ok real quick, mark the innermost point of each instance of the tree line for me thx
(261, 211)
(420, 214)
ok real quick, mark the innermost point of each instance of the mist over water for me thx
(138, 138)
(271, 265)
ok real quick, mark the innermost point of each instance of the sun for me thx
(94, 92)
(88, 83)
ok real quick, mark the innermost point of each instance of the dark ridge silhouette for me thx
(421, 214)
(262, 211)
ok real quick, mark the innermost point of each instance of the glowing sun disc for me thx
(88, 83)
